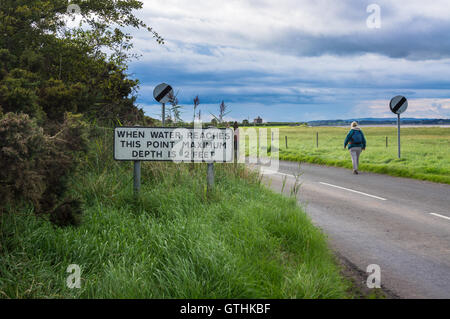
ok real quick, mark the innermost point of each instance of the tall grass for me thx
(425, 151)
(173, 241)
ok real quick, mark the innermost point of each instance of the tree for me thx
(48, 72)
(47, 69)
(27, 23)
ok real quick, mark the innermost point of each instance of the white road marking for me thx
(351, 190)
(437, 215)
(268, 172)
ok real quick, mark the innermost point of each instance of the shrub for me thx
(22, 146)
(35, 167)
(67, 213)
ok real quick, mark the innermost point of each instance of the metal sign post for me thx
(210, 178)
(162, 94)
(137, 177)
(236, 143)
(398, 105)
(163, 114)
(398, 135)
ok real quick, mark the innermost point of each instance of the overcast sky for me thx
(297, 60)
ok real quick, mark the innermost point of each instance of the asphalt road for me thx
(400, 224)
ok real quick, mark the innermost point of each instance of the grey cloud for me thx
(420, 39)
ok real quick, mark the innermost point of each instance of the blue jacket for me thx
(349, 138)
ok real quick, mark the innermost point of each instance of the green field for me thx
(243, 241)
(425, 151)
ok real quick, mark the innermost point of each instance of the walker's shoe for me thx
(355, 172)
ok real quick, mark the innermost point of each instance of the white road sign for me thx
(173, 144)
(162, 93)
(398, 104)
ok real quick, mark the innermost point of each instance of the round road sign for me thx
(162, 93)
(398, 104)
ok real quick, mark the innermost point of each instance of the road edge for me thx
(358, 278)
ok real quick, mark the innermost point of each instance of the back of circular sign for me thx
(162, 93)
(398, 104)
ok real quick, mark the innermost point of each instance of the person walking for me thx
(356, 144)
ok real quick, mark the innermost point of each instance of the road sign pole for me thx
(398, 129)
(137, 177)
(398, 105)
(235, 148)
(236, 145)
(163, 114)
(210, 177)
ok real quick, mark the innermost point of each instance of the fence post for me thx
(317, 139)
(286, 141)
(386, 141)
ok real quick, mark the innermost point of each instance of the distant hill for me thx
(380, 121)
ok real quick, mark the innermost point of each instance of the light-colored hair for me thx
(354, 124)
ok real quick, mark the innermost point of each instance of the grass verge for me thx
(242, 241)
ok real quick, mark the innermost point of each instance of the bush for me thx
(67, 213)
(34, 167)
(22, 146)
